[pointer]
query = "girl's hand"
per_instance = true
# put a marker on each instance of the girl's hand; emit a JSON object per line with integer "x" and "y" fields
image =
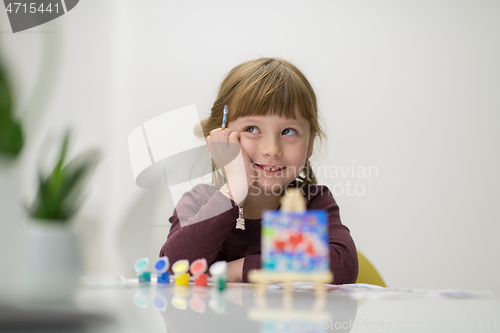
{"x": 235, "y": 270}
{"x": 228, "y": 155}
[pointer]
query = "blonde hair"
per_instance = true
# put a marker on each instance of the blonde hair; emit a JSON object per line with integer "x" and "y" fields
{"x": 266, "y": 86}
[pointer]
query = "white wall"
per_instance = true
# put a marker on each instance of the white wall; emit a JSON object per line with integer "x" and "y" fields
{"x": 409, "y": 88}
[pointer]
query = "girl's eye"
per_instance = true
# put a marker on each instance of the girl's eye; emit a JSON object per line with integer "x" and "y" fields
{"x": 289, "y": 131}
{"x": 252, "y": 129}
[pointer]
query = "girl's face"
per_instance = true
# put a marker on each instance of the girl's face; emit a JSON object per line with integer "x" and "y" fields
{"x": 277, "y": 147}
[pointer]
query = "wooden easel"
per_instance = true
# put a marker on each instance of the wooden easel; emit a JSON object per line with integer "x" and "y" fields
{"x": 292, "y": 201}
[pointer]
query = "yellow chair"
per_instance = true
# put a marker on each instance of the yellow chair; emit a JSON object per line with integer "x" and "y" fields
{"x": 368, "y": 273}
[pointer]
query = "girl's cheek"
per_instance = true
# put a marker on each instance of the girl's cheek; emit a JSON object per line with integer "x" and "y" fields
{"x": 247, "y": 146}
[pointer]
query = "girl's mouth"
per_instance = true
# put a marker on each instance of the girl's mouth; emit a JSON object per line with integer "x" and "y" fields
{"x": 270, "y": 169}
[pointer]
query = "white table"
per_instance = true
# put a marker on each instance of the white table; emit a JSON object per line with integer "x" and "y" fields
{"x": 355, "y": 308}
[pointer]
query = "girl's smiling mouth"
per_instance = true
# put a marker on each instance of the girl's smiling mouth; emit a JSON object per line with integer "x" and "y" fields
{"x": 270, "y": 168}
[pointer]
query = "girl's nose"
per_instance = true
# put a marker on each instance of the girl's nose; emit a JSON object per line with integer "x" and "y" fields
{"x": 271, "y": 148}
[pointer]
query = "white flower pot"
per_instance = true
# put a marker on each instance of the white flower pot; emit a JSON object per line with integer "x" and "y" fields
{"x": 50, "y": 262}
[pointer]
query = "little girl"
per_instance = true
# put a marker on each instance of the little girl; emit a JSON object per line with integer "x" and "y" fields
{"x": 272, "y": 121}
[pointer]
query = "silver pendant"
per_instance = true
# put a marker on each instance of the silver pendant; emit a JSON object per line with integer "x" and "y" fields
{"x": 240, "y": 223}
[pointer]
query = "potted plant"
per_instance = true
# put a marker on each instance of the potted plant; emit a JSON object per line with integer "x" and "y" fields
{"x": 59, "y": 193}
{"x": 50, "y": 248}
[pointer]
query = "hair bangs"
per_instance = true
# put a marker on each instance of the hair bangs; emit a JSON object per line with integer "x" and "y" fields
{"x": 273, "y": 89}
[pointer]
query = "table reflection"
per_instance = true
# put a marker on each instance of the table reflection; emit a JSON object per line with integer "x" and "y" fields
{"x": 243, "y": 308}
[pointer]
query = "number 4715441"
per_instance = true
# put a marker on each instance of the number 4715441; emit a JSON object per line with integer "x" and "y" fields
{"x": 18, "y": 7}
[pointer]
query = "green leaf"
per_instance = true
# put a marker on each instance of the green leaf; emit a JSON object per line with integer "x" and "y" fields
{"x": 11, "y": 135}
{"x": 58, "y": 193}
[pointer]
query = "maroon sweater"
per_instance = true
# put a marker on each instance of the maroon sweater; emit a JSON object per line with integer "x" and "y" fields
{"x": 207, "y": 233}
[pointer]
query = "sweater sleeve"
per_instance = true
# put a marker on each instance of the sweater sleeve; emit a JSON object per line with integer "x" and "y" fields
{"x": 343, "y": 254}
{"x": 200, "y": 225}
